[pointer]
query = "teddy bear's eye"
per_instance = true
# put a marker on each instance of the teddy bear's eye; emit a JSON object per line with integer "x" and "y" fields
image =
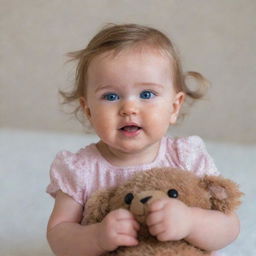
{"x": 128, "y": 198}
{"x": 173, "y": 193}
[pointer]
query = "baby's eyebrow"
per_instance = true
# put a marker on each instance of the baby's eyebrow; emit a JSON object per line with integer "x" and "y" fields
{"x": 150, "y": 84}
{"x": 111, "y": 87}
{"x": 105, "y": 87}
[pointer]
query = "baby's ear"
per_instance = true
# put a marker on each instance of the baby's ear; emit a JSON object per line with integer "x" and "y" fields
{"x": 224, "y": 194}
{"x": 84, "y": 106}
{"x": 97, "y": 206}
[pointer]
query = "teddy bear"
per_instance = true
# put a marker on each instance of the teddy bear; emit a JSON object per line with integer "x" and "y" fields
{"x": 207, "y": 192}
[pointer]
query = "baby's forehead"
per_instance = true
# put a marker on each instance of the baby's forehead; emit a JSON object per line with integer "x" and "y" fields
{"x": 115, "y": 55}
{"x": 130, "y": 64}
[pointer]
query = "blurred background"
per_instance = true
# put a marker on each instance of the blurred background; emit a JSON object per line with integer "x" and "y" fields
{"x": 216, "y": 38}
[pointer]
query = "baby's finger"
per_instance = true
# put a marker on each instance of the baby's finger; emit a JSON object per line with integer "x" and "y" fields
{"x": 128, "y": 228}
{"x": 126, "y": 240}
{"x": 162, "y": 237}
{"x": 157, "y": 229}
{"x": 154, "y": 218}
{"x": 156, "y": 205}
{"x": 135, "y": 225}
{"x": 122, "y": 214}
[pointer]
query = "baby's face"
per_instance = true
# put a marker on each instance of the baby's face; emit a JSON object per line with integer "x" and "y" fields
{"x": 131, "y": 99}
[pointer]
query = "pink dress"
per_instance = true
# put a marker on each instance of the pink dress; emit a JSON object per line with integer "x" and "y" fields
{"x": 80, "y": 174}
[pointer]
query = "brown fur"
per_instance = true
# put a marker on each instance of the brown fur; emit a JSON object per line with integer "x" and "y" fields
{"x": 209, "y": 192}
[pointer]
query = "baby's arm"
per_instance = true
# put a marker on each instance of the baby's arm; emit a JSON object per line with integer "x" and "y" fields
{"x": 64, "y": 233}
{"x": 171, "y": 219}
{"x": 213, "y": 230}
{"x": 67, "y": 237}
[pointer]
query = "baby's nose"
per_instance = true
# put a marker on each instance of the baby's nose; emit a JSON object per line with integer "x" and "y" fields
{"x": 145, "y": 199}
{"x": 129, "y": 108}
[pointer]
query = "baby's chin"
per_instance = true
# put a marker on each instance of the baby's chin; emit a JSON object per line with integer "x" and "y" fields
{"x": 130, "y": 146}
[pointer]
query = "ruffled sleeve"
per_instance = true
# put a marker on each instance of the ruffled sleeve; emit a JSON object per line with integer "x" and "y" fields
{"x": 192, "y": 155}
{"x": 67, "y": 175}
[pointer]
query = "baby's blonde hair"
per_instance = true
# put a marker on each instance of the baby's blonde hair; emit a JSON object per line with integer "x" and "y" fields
{"x": 115, "y": 38}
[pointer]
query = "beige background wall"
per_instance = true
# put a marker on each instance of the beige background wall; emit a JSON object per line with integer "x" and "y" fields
{"x": 215, "y": 37}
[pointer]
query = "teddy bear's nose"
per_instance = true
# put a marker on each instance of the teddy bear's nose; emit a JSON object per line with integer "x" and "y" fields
{"x": 145, "y": 199}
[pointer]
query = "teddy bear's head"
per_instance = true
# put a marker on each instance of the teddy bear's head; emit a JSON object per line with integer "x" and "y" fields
{"x": 208, "y": 192}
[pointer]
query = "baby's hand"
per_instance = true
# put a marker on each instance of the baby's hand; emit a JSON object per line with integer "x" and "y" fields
{"x": 169, "y": 219}
{"x": 118, "y": 228}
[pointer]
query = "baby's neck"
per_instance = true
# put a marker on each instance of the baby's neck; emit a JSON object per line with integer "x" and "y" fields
{"x": 122, "y": 159}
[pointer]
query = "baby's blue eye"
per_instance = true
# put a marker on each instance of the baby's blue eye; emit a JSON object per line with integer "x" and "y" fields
{"x": 147, "y": 95}
{"x": 111, "y": 97}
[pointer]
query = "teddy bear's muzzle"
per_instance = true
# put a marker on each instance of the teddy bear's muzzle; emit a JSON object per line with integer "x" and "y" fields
{"x": 140, "y": 202}
{"x": 145, "y": 199}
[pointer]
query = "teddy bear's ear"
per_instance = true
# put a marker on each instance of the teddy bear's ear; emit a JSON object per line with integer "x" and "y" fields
{"x": 97, "y": 206}
{"x": 224, "y": 194}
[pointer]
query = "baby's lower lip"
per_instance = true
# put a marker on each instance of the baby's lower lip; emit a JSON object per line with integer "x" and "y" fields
{"x": 130, "y": 131}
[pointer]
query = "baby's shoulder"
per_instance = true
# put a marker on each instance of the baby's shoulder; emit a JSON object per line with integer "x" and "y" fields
{"x": 189, "y": 143}
{"x": 79, "y": 160}
{"x": 71, "y": 172}
{"x": 190, "y": 153}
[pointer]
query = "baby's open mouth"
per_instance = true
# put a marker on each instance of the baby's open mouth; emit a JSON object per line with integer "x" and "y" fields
{"x": 130, "y": 128}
